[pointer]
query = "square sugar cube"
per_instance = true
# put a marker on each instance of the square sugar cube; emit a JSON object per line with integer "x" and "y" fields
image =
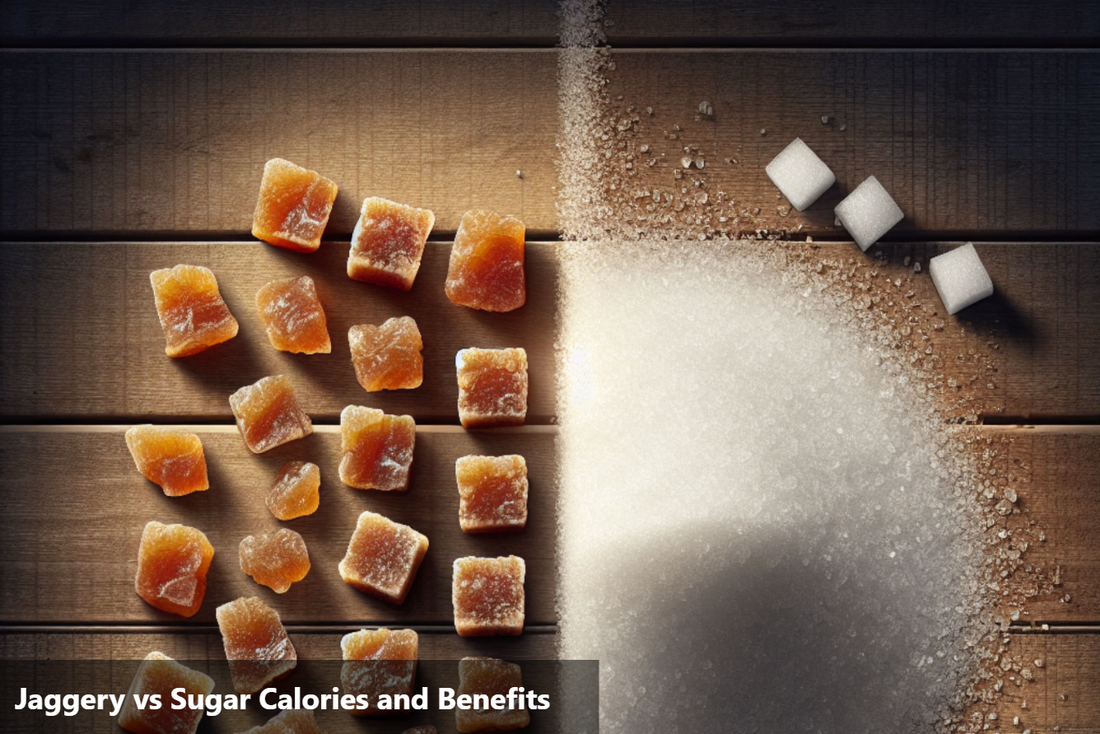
{"x": 800, "y": 174}
{"x": 868, "y": 213}
{"x": 960, "y": 278}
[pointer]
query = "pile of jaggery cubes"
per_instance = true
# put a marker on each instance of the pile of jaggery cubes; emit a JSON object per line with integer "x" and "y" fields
{"x": 486, "y": 272}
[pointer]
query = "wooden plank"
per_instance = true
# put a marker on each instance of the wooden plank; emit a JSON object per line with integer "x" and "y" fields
{"x": 992, "y": 142}
{"x": 75, "y": 508}
{"x": 144, "y": 142}
{"x": 81, "y": 337}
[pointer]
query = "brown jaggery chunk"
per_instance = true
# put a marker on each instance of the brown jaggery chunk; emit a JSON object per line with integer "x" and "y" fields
{"x": 293, "y": 316}
{"x": 388, "y": 242}
{"x": 172, "y": 564}
{"x": 492, "y": 493}
{"x": 192, "y": 313}
{"x": 275, "y": 560}
{"x": 486, "y": 269}
{"x": 383, "y": 557}
{"x": 293, "y": 207}
{"x": 387, "y": 357}
{"x": 291, "y": 721}
{"x": 487, "y": 594}
{"x": 268, "y": 414}
{"x": 172, "y": 459}
{"x": 378, "y": 448}
{"x": 492, "y": 387}
{"x": 489, "y": 677}
{"x": 379, "y": 662}
{"x": 256, "y": 644}
{"x": 296, "y": 490}
{"x": 159, "y": 674}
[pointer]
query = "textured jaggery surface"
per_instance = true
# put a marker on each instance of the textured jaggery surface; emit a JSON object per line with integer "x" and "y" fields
{"x": 159, "y": 674}
{"x": 173, "y": 561}
{"x": 490, "y": 677}
{"x": 487, "y": 594}
{"x": 387, "y": 357}
{"x": 378, "y": 448}
{"x": 256, "y": 644}
{"x": 379, "y": 661}
{"x": 268, "y": 414}
{"x": 492, "y": 387}
{"x": 486, "y": 269}
{"x": 275, "y": 560}
{"x": 492, "y": 493}
{"x": 295, "y": 491}
{"x": 191, "y": 310}
{"x": 291, "y": 721}
{"x": 388, "y": 242}
{"x": 293, "y": 316}
{"x": 293, "y": 208}
{"x": 383, "y": 557}
{"x": 172, "y": 459}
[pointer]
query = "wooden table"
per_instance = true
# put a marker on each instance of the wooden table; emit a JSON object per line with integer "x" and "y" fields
{"x": 133, "y": 138}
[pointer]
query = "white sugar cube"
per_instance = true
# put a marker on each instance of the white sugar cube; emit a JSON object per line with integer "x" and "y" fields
{"x": 960, "y": 278}
{"x": 800, "y": 174}
{"x": 868, "y": 213}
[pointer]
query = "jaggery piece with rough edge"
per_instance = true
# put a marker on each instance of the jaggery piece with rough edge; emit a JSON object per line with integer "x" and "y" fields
{"x": 295, "y": 491}
{"x": 492, "y": 493}
{"x": 380, "y": 661}
{"x": 293, "y": 316}
{"x": 256, "y": 644}
{"x": 388, "y": 242}
{"x": 486, "y": 270}
{"x": 291, "y": 721}
{"x": 490, "y": 677}
{"x": 487, "y": 594}
{"x": 268, "y": 414}
{"x": 159, "y": 674}
{"x": 387, "y": 357}
{"x": 191, "y": 310}
{"x": 294, "y": 206}
{"x": 173, "y": 561}
{"x": 378, "y": 448}
{"x": 172, "y": 459}
{"x": 383, "y": 557}
{"x": 492, "y": 387}
{"x": 275, "y": 560}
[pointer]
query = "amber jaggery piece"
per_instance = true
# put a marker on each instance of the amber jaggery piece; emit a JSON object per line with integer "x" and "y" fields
{"x": 256, "y": 644}
{"x": 293, "y": 207}
{"x": 489, "y": 677}
{"x": 383, "y": 557}
{"x": 268, "y": 414}
{"x": 172, "y": 459}
{"x": 379, "y": 662}
{"x": 172, "y": 564}
{"x": 275, "y": 560}
{"x": 487, "y": 594}
{"x": 492, "y": 493}
{"x": 486, "y": 269}
{"x": 291, "y": 721}
{"x": 192, "y": 313}
{"x": 387, "y": 357}
{"x": 296, "y": 490}
{"x": 378, "y": 448}
{"x": 293, "y": 316}
{"x": 388, "y": 242}
{"x": 159, "y": 675}
{"x": 492, "y": 387}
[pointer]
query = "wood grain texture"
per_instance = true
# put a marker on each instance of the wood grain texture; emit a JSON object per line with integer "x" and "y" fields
{"x": 993, "y": 143}
{"x": 81, "y": 337}
{"x": 146, "y": 142}
{"x": 75, "y": 507}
